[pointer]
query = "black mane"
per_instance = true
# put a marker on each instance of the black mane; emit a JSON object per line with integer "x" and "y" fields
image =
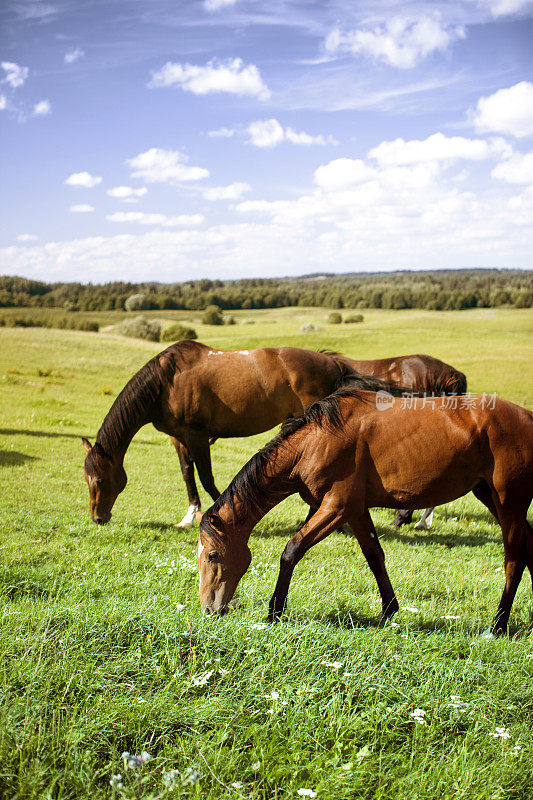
{"x": 248, "y": 484}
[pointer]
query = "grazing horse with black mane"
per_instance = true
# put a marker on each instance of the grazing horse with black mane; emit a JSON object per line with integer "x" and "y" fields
{"x": 195, "y": 394}
{"x": 343, "y": 456}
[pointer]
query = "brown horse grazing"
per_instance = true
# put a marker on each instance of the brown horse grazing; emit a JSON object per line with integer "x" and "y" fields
{"x": 344, "y": 456}
{"x": 195, "y": 393}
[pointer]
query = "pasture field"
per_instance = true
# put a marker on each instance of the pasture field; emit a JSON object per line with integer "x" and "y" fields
{"x": 96, "y": 658}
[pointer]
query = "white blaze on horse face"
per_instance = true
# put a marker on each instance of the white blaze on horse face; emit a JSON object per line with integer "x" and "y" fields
{"x": 189, "y": 518}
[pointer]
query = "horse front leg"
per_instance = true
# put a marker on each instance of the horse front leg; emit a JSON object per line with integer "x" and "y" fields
{"x": 321, "y": 524}
{"x": 364, "y": 530}
{"x": 198, "y": 445}
{"x": 187, "y": 471}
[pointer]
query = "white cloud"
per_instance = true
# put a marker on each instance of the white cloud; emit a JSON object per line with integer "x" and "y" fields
{"x": 269, "y": 133}
{"x": 232, "y": 192}
{"x": 42, "y": 108}
{"x": 165, "y": 166}
{"x": 215, "y": 5}
{"x": 437, "y": 147}
{"x": 71, "y": 56}
{"x": 516, "y": 169}
{"x": 507, "y": 111}
{"x": 84, "y": 179}
{"x": 342, "y": 173}
{"x": 186, "y": 220}
{"x": 500, "y": 8}
{"x": 401, "y": 42}
{"x": 3, "y": 102}
{"x": 15, "y": 75}
{"x": 231, "y": 76}
{"x": 225, "y": 133}
{"x": 27, "y": 237}
{"x": 81, "y": 208}
{"x": 127, "y": 193}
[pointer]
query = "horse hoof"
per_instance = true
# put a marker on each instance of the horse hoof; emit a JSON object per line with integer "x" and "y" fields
{"x": 421, "y": 526}
{"x": 185, "y": 523}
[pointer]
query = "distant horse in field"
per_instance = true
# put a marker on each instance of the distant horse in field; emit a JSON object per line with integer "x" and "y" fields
{"x": 195, "y": 394}
{"x": 344, "y": 456}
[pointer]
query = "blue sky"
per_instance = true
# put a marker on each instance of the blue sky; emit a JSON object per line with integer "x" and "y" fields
{"x": 168, "y": 140}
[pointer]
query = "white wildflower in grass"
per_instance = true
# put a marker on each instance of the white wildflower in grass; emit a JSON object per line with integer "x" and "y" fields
{"x": 272, "y": 696}
{"x": 192, "y": 776}
{"x": 500, "y": 733}
{"x": 256, "y": 766}
{"x": 418, "y": 715}
{"x": 306, "y": 793}
{"x": 334, "y": 664}
{"x": 529, "y": 655}
{"x": 412, "y": 609}
{"x": 202, "y": 679}
{"x": 451, "y": 616}
{"x": 180, "y": 607}
{"x": 237, "y": 785}
{"x": 259, "y": 626}
{"x": 116, "y": 782}
{"x": 394, "y": 625}
{"x": 516, "y": 749}
{"x": 133, "y": 761}
{"x": 172, "y": 779}
{"x": 457, "y": 703}
{"x": 222, "y": 671}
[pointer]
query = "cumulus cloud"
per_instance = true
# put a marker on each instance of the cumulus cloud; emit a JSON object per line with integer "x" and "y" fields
{"x": 27, "y": 237}
{"x": 231, "y": 76}
{"x": 269, "y": 133}
{"x": 215, "y": 5}
{"x": 71, "y": 56}
{"x": 516, "y": 169}
{"x": 501, "y": 8}
{"x": 400, "y": 42}
{"x": 127, "y": 193}
{"x": 507, "y": 111}
{"x": 15, "y": 75}
{"x": 165, "y": 166}
{"x": 437, "y": 147}
{"x": 83, "y": 179}
{"x": 81, "y": 208}
{"x": 3, "y": 102}
{"x": 232, "y": 192}
{"x": 186, "y": 220}
{"x": 42, "y": 108}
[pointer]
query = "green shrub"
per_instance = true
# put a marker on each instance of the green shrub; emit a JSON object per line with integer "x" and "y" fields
{"x": 136, "y": 302}
{"x": 141, "y": 328}
{"x": 213, "y": 316}
{"x": 354, "y": 318}
{"x": 176, "y": 331}
{"x": 335, "y": 318}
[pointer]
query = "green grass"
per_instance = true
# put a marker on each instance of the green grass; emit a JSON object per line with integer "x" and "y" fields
{"x": 95, "y": 659}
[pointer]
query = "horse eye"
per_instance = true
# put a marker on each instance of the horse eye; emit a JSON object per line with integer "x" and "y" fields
{"x": 99, "y": 481}
{"x": 212, "y": 556}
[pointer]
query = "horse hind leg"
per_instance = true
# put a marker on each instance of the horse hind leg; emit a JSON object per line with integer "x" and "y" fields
{"x": 518, "y": 545}
{"x": 402, "y": 518}
{"x": 363, "y": 528}
{"x": 425, "y": 521}
{"x": 187, "y": 470}
{"x": 201, "y": 454}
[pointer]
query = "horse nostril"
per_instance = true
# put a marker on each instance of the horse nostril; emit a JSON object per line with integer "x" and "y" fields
{"x": 207, "y": 611}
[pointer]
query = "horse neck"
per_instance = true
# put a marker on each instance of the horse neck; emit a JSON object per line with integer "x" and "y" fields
{"x": 244, "y": 509}
{"x": 133, "y": 408}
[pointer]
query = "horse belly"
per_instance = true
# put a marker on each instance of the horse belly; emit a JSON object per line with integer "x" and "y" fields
{"x": 425, "y": 467}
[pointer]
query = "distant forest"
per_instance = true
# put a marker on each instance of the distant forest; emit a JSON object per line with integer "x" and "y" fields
{"x": 439, "y": 290}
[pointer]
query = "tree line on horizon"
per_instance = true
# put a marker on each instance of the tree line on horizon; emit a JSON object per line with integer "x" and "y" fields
{"x": 432, "y": 290}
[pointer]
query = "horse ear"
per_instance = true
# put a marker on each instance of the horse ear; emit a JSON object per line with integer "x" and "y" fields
{"x": 86, "y": 443}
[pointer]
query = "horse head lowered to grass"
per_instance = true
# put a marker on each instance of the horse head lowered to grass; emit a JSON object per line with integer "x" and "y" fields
{"x": 195, "y": 394}
{"x": 346, "y": 454}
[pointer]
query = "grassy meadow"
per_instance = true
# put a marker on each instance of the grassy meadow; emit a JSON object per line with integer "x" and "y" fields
{"x": 96, "y": 658}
